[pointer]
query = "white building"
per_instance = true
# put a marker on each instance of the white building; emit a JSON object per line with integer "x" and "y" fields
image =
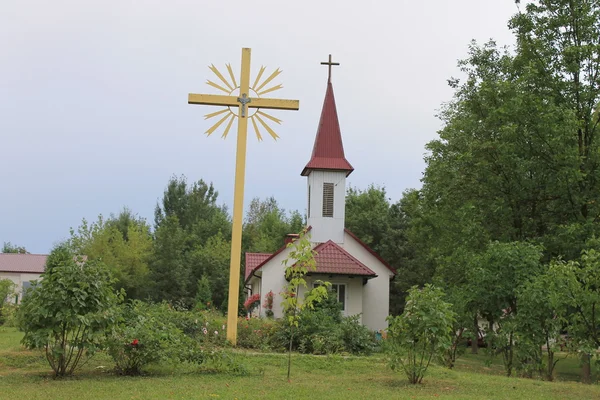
{"x": 358, "y": 275}
{"x": 21, "y": 269}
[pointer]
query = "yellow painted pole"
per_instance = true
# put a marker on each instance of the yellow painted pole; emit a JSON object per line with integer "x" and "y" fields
{"x": 238, "y": 202}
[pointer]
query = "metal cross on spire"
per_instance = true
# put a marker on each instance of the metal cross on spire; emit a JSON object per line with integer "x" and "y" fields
{"x": 329, "y": 63}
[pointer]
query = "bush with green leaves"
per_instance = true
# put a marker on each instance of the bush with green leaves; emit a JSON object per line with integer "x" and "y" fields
{"x": 6, "y": 290}
{"x": 422, "y": 331}
{"x": 324, "y": 330}
{"x": 259, "y": 334}
{"x": 148, "y": 336}
{"x": 69, "y": 311}
{"x": 9, "y": 315}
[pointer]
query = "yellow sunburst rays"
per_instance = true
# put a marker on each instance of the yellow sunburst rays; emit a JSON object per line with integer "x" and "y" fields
{"x": 230, "y": 86}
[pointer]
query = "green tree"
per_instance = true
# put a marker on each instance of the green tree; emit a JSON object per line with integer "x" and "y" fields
{"x": 575, "y": 285}
{"x": 495, "y": 279}
{"x": 8, "y": 247}
{"x": 517, "y": 158}
{"x": 170, "y": 273}
{"x": 203, "y": 293}
{"x": 123, "y": 243}
{"x": 424, "y": 330}
{"x": 69, "y": 311}
{"x": 211, "y": 261}
{"x": 367, "y": 215}
{"x": 267, "y": 224}
{"x": 190, "y": 232}
{"x": 541, "y": 316}
{"x": 299, "y": 262}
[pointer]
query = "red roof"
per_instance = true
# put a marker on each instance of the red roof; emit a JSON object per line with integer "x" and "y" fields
{"x": 328, "y": 151}
{"x": 253, "y": 260}
{"x": 333, "y": 259}
{"x": 25, "y": 263}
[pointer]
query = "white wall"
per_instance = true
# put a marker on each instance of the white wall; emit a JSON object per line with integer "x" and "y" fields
{"x": 18, "y": 278}
{"x": 273, "y": 278}
{"x": 327, "y": 228}
{"x": 376, "y": 292}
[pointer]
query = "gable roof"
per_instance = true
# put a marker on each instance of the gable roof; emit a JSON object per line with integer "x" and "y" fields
{"x": 253, "y": 260}
{"x": 370, "y": 250}
{"x": 24, "y": 263}
{"x": 328, "y": 150}
{"x": 331, "y": 258}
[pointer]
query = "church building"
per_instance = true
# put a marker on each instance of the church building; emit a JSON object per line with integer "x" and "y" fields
{"x": 360, "y": 278}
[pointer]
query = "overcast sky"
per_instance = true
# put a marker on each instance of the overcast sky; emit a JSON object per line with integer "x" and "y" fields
{"x": 93, "y": 97}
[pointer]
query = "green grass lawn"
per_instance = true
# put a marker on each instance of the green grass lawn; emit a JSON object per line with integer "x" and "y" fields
{"x": 25, "y": 375}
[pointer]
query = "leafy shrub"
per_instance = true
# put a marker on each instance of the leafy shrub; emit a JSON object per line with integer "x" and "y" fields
{"x": 357, "y": 338}
{"x": 150, "y": 334}
{"x": 214, "y": 328}
{"x": 258, "y": 333}
{"x": 68, "y": 312}
{"x": 423, "y": 330}
{"x": 6, "y": 289}
{"x": 204, "y": 293}
{"x": 324, "y": 330}
{"x": 9, "y": 315}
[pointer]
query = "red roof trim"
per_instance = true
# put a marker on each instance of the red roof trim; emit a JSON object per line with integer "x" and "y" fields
{"x": 264, "y": 262}
{"x": 388, "y": 266}
{"x": 252, "y": 260}
{"x": 366, "y": 271}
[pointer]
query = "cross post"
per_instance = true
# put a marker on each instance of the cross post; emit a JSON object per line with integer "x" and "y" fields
{"x": 243, "y": 102}
{"x": 329, "y": 63}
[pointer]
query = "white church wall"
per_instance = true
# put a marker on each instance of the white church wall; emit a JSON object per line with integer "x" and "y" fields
{"x": 273, "y": 279}
{"x": 327, "y": 228}
{"x": 376, "y": 292}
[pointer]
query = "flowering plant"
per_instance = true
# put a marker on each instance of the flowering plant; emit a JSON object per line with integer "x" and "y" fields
{"x": 268, "y": 305}
{"x": 252, "y": 302}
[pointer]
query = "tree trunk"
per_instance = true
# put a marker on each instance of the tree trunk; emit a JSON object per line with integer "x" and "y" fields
{"x": 549, "y": 373}
{"x": 474, "y": 341}
{"x": 586, "y": 370}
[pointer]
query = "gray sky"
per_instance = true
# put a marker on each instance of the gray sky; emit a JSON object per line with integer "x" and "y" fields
{"x": 93, "y": 97}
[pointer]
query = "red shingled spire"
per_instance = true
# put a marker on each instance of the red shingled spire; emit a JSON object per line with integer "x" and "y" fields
{"x": 328, "y": 151}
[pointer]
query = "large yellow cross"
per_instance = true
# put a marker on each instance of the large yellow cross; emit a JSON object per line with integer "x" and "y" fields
{"x": 244, "y": 101}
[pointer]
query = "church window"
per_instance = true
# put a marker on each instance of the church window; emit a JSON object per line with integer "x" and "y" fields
{"x": 328, "y": 199}
{"x": 339, "y": 290}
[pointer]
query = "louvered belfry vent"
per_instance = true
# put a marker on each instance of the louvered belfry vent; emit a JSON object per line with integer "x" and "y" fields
{"x": 328, "y": 200}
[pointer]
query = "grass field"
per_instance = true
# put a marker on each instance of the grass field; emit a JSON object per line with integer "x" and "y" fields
{"x": 25, "y": 375}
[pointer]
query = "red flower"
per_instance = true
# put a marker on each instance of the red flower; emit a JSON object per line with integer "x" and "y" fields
{"x": 135, "y": 342}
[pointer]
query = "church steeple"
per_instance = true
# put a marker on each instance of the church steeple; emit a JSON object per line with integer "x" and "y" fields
{"x": 326, "y": 171}
{"x": 328, "y": 150}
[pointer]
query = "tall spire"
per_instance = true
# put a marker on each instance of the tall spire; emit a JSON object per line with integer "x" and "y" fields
{"x": 328, "y": 150}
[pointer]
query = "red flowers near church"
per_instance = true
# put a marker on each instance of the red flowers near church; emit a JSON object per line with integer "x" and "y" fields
{"x": 252, "y": 302}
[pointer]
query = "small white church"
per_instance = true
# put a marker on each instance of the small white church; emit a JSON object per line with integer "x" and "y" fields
{"x": 359, "y": 277}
